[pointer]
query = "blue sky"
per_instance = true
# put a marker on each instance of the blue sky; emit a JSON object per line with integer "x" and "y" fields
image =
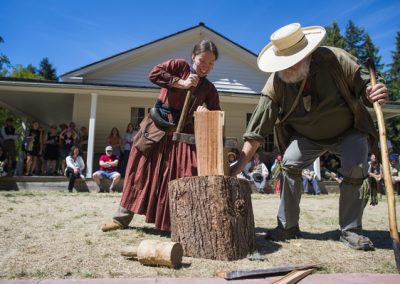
{"x": 75, "y": 33}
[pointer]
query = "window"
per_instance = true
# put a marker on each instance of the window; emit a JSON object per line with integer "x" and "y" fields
{"x": 269, "y": 139}
{"x": 137, "y": 115}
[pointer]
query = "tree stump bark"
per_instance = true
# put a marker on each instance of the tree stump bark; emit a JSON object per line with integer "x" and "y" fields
{"x": 212, "y": 217}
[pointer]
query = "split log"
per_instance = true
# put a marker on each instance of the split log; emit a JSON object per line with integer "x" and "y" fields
{"x": 208, "y": 129}
{"x": 212, "y": 217}
{"x": 154, "y": 252}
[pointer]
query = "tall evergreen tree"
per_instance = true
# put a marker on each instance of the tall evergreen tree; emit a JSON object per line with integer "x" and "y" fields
{"x": 394, "y": 72}
{"x": 354, "y": 39}
{"x": 370, "y": 51}
{"x": 47, "y": 71}
{"x": 393, "y": 124}
{"x": 333, "y": 37}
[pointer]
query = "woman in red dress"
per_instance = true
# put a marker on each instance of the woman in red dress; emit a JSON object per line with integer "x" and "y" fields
{"x": 145, "y": 189}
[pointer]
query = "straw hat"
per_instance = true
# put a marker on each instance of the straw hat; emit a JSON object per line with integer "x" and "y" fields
{"x": 289, "y": 45}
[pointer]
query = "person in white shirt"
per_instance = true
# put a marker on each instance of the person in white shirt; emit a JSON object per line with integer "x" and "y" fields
{"x": 75, "y": 167}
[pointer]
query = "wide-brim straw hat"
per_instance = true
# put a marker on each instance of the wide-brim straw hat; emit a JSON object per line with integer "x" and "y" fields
{"x": 289, "y": 45}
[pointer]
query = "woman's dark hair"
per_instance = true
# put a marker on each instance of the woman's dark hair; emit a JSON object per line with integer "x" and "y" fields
{"x": 204, "y": 46}
{"x": 127, "y": 127}
{"x": 71, "y": 153}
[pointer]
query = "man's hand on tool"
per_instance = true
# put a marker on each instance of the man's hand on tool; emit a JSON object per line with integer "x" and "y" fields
{"x": 377, "y": 93}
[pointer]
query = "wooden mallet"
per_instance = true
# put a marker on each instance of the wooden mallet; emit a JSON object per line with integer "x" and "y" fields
{"x": 154, "y": 252}
{"x": 386, "y": 169}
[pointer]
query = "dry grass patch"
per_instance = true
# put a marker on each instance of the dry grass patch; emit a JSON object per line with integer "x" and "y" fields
{"x": 52, "y": 234}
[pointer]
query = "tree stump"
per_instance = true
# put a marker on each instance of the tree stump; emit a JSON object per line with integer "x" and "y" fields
{"x": 212, "y": 217}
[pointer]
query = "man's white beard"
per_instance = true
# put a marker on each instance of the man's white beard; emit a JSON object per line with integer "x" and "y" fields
{"x": 294, "y": 76}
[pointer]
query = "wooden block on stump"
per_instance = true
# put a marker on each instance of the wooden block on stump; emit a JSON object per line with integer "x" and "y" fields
{"x": 209, "y": 135}
{"x": 212, "y": 217}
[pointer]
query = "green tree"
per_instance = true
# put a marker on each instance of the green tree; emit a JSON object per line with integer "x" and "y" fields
{"x": 28, "y": 72}
{"x": 333, "y": 37}
{"x": 394, "y": 72}
{"x": 4, "y": 62}
{"x": 354, "y": 39}
{"x": 393, "y": 83}
{"x": 370, "y": 51}
{"x": 47, "y": 71}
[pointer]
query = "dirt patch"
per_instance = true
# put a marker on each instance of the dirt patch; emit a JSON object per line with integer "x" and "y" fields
{"x": 52, "y": 234}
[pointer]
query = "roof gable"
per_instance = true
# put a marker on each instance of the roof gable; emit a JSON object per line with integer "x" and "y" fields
{"x": 235, "y": 71}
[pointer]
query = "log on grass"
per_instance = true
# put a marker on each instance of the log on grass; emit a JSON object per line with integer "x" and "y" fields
{"x": 154, "y": 252}
{"x": 212, "y": 217}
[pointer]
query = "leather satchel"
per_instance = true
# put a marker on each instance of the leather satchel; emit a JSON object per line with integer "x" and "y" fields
{"x": 160, "y": 122}
{"x": 148, "y": 136}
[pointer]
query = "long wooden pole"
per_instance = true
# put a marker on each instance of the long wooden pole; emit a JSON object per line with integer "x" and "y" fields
{"x": 394, "y": 233}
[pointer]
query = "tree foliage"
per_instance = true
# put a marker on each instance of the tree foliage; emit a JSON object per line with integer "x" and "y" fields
{"x": 46, "y": 70}
{"x": 28, "y": 72}
{"x": 370, "y": 51}
{"x": 393, "y": 83}
{"x": 4, "y": 62}
{"x": 354, "y": 39}
{"x": 333, "y": 37}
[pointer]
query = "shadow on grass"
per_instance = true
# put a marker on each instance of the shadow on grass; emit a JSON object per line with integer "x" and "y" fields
{"x": 152, "y": 231}
{"x": 381, "y": 239}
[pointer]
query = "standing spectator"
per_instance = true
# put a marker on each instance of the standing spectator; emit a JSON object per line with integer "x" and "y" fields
{"x": 127, "y": 141}
{"x": 115, "y": 141}
{"x": 34, "y": 148}
{"x": 147, "y": 174}
{"x": 72, "y": 126}
{"x": 9, "y": 136}
{"x": 310, "y": 176}
{"x": 51, "y": 151}
{"x": 83, "y": 142}
{"x": 108, "y": 169}
{"x": 75, "y": 167}
{"x": 67, "y": 139}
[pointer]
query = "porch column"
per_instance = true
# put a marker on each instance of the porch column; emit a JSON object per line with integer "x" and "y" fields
{"x": 92, "y": 127}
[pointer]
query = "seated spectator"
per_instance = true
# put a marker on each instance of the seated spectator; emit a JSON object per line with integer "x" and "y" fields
{"x": 276, "y": 170}
{"x": 309, "y": 176}
{"x": 75, "y": 167}
{"x": 108, "y": 169}
{"x": 375, "y": 171}
{"x": 231, "y": 158}
{"x": 3, "y": 163}
{"x": 258, "y": 173}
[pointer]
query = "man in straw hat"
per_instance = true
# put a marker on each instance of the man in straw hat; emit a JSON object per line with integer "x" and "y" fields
{"x": 314, "y": 101}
